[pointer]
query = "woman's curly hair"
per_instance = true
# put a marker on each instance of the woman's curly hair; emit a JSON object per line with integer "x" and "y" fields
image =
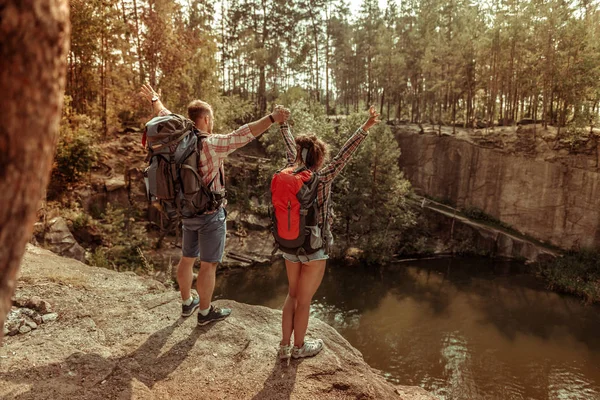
{"x": 318, "y": 151}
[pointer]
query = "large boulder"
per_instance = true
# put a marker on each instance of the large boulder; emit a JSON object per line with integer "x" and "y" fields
{"x": 59, "y": 239}
{"x": 120, "y": 337}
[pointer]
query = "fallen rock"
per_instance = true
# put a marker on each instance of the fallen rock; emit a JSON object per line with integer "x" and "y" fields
{"x": 255, "y": 222}
{"x": 24, "y": 329}
{"x": 38, "y": 304}
{"x": 31, "y": 324}
{"x": 13, "y": 322}
{"x": 49, "y": 317}
{"x": 113, "y": 184}
{"x": 60, "y": 240}
{"x": 35, "y": 317}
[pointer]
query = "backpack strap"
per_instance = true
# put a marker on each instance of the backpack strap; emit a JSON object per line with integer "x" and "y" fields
{"x": 174, "y": 141}
{"x": 201, "y": 136}
{"x": 301, "y": 168}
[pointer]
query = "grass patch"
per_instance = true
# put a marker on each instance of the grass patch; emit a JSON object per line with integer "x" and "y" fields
{"x": 477, "y": 214}
{"x": 577, "y": 272}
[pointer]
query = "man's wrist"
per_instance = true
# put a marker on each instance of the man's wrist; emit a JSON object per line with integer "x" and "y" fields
{"x": 271, "y": 118}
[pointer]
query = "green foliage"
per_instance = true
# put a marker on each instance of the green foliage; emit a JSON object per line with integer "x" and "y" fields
{"x": 231, "y": 112}
{"x": 576, "y": 272}
{"x": 370, "y": 194}
{"x": 477, "y": 214}
{"x": 124, "y": 242}
{"x": 75, "y": 153}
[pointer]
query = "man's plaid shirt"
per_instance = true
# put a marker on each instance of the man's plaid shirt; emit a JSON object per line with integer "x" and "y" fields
{"x": 214, "y": 151}
{"x": 327, "y": 173}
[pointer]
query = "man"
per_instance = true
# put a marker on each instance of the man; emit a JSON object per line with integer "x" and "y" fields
{"x": 204, "y": 235}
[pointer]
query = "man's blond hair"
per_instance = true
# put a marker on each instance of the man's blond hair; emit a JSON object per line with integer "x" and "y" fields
{"x": 198, "y": 109}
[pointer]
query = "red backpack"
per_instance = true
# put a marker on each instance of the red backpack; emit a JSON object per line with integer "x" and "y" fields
{"x": 294, "y": 211}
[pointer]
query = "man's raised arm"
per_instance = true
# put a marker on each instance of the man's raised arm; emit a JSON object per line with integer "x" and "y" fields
{"x": 157, "y": 106}
{"x": 279, "y": 114}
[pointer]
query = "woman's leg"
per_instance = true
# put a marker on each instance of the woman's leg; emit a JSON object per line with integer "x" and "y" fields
{"x": 311, "y": 275}
{"x": 287, "y": 320}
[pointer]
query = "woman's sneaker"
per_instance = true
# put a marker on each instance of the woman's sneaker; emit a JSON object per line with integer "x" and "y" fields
{"x": 215, "y": 314}
{"x": 309, "y": 349}
{"x": 285, "y": 352}
{"x": 188, "y": 310}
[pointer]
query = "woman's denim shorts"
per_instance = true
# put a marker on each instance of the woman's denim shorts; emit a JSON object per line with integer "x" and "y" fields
{"x": 304, "y": 258}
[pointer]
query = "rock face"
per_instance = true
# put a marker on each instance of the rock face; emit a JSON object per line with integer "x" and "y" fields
{"x": 60, "y": 240}
{"x": 120, "y": 337}
{"x": 550, "y": 201}
{"x": 484, "y": 239}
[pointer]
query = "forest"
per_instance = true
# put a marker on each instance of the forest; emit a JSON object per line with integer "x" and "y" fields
{"x": 450, "y": 62}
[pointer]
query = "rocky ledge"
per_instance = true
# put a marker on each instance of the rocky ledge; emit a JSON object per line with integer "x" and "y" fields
{"x": 119, "y": 336}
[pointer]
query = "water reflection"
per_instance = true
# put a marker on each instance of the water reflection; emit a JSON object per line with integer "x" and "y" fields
{"x": 463, "y": 329}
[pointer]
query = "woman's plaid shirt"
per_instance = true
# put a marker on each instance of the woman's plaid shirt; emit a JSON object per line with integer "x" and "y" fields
{"x": 327, "y": 173}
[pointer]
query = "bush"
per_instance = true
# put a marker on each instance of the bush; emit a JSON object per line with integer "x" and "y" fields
{"x": 477, "y": 214}
{"x": 577, "y": 272}
{"x": 124, "y": 242}
{"x": 75, "y": 152}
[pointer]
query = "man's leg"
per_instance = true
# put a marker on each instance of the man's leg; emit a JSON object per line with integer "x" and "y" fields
{"x": 185, "y": 276}
{"x": 205, "y": 284}
{"x": 212, "y": 236}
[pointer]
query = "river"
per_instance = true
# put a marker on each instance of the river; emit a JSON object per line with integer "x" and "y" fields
{"x": 462, "y": 328}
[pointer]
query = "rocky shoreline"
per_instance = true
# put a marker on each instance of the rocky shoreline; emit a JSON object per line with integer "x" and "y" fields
{"x": 119, "y": 335}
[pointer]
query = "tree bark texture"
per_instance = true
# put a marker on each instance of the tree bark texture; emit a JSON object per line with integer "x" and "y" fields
{"x": 34, "y": 43}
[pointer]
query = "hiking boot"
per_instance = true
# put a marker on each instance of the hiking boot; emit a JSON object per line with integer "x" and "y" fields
{"x": 186, "y": 311}
{"x": 215, "y": 314}
{"x": 309, "y": 349}
{"x": 285, "y": 351}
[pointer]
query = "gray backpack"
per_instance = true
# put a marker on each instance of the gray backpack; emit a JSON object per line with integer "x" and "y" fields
{"x": 172, "y": 179}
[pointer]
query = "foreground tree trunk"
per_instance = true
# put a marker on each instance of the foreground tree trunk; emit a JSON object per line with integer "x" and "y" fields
{"x": 34, "y": 42}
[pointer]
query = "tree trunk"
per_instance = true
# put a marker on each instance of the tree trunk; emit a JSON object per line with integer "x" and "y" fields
{"x": 139, "y": 43}
{"x": 32, "y": 80}
{"x": 327, "y": 40}
{"x": 316, "y": 41}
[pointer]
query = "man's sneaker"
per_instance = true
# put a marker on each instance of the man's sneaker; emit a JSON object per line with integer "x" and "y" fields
{"x": 186, "y": 311}
{"x": 215, "y": 314}
{"x": 285, "y": 351}
{"x": 309, "y": 349}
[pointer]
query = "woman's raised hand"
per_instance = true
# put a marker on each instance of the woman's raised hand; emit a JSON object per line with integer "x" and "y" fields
{"x": 280, "y": 114}
{"x": 373, "y": 119}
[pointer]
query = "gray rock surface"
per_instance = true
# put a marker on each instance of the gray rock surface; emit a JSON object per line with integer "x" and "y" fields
{"x": 59, "y": 239}
{"x": 552, "y": 201}
{"x": 133, "y": 345}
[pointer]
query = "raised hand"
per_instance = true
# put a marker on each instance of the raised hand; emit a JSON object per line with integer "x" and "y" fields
{"x": 373, "y": 119}
{"x": 280, "y": 114}
{"x": 147, "y": 93}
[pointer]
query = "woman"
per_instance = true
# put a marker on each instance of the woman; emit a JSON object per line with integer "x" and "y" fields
{"x": 305, "y": 271}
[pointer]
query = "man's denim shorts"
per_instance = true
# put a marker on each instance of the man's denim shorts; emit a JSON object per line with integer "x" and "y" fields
{"x": 204, "y": 236}
{"x": 317, "y": 256}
